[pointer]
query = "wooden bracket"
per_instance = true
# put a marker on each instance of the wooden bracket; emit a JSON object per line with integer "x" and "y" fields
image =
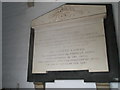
{"x": 39, "y": 85}
{"x": 103, "y": 86}
{"x": 30, "y": 4}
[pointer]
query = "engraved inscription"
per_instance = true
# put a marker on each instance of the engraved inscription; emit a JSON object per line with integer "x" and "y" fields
{"x": 80, "y": 47}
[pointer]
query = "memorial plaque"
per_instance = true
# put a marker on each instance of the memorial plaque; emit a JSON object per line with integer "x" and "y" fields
{"x": 74, "y": 41}
{"x": 77, "y": 44}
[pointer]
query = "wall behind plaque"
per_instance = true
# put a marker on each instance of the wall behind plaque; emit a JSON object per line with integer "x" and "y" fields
{"x": 16, "y": 30}
{"x": 0, "y": 45}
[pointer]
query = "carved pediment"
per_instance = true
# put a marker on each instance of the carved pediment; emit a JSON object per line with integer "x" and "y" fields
{"x": 66, "y": 12}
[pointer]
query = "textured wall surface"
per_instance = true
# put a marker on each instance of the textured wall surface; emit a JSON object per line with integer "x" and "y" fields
{"x": 16, "y": 31}
{"x": 0, "y": 45}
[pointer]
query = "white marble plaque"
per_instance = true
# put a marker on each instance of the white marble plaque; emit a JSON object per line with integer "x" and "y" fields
{"x": 77, "y": 44}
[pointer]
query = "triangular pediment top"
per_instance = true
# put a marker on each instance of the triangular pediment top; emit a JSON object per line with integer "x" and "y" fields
{"x": 67, "y": 12}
